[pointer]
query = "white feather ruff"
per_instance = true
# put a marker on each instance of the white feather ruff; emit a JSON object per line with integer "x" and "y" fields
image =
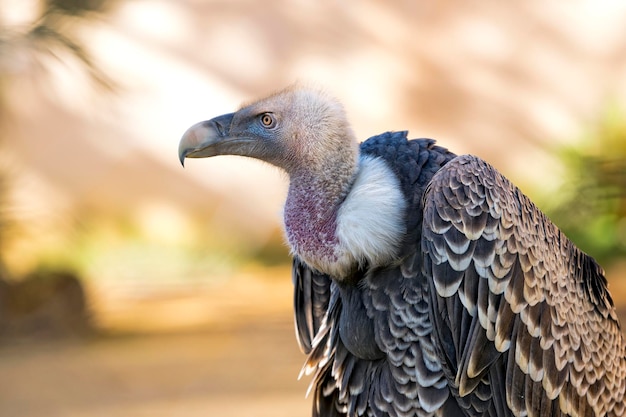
{"x": 370, "y": 222}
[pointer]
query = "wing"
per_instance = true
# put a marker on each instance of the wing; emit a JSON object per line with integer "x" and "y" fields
{"x": 311, "y": 297}
{"x": 317, "y": 308}
{"x": 523, "y": 320}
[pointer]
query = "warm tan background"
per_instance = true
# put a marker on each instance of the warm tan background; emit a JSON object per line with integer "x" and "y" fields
{"x": 186, "y": 282}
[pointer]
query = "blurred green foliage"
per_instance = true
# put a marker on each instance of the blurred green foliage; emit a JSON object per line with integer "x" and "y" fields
{"x": 590, "y": 205}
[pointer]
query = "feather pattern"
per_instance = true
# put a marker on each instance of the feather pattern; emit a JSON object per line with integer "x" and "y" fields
{"x": 491, "y": 311}
{"x": 538, "y": 307}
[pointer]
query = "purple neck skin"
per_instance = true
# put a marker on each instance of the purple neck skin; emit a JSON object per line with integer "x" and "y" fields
{"x": 311, "y": 218}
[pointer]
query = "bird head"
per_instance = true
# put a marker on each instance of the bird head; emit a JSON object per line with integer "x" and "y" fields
{"x": 295, "y": 129}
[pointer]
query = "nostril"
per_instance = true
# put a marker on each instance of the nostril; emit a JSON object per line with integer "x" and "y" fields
{"x": 221, "y": 124}
{"x": 219, "y": 127}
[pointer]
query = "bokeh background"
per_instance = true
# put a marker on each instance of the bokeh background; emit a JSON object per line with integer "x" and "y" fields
{"x": 130, "y": 286}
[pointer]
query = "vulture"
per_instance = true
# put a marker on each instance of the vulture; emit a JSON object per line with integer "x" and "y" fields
{"x": 425, "y": 283}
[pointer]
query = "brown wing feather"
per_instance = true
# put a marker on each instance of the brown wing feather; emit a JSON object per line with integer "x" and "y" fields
{"x": 535, "y": 314}
{"x": 311, "y": 297}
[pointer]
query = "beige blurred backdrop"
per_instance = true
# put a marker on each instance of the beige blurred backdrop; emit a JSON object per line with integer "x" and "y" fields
{"x": 186, "y": 284}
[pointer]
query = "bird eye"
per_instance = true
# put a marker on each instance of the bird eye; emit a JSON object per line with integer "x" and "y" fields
{"x": 267, "y": 120}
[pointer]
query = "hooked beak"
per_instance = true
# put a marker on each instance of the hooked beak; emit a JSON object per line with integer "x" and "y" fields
{"x": 208, "y": 138}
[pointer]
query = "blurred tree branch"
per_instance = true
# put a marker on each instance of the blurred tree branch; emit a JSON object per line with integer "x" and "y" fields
{"x": 52, "y": 33}
{"x": 24, "y": 49}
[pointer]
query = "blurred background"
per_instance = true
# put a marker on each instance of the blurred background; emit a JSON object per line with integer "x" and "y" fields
{"x": 132, "y": 287}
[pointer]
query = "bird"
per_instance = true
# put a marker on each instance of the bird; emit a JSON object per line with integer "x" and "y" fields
{"x": 425, "y": 283}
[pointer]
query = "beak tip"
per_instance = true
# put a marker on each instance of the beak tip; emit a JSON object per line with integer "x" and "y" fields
{"x": 198, "y": 141}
